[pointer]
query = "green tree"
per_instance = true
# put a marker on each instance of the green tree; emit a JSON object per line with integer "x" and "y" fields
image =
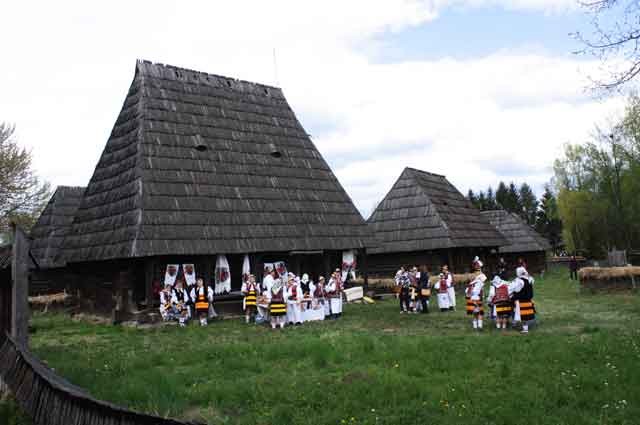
{"x": 502, "y": 195}
{"x": 22, "y": 195}
{"x": 548, "y": 222}
{"x": 491, "y": 199}
{"x": 529, "y": 204}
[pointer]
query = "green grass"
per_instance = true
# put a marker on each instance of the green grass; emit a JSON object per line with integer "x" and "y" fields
{"x": 374, "y": 366}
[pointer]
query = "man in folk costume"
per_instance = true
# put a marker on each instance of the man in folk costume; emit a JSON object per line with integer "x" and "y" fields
{"x": 403, "y": 283}
{"x": 202, "y": 296}
{"x": 306, "y": 285}
{"x": 294, "y": 298}
{"x": 451, "y": 287}
{"x": 524, "y": 307}
{"x": 500, "y": 301}
{"x": 334, "y": 291}
{"x": 250, "y": 291}
{"x": 442, "y": 289}
{"x": 424, "y": 287}
{"x": 277, "y": 305}
{"x": 474, "y": 295}
{"x": 180, "y": 301}
{"x": 166, "y": 308}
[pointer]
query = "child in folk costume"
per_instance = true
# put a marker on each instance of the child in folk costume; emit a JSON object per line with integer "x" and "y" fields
{"x": 334, "y": 291}
{"x": 250, "y": 290}
{"x": 166, "y": 308}
{"x": 180, "y": 302}
{"x": 451, "y": 287}
{"x": 474, "y": 295}
{"x": 202, "y": 296}
{"x": 524, "y": 308}
{"x": 425, "y": 289}
{"x": 277, "y": 305}
{"x": 294, "y": 298}
{"x": 442, "y": 289}
{"x": 500, "y": 301}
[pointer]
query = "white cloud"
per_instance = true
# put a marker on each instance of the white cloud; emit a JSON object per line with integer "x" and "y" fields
{"x": 70, "y": 65}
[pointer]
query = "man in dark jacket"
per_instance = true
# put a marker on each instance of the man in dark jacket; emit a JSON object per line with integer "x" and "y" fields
{"x": 424, "y": 289}
{"x": 573, "y": 268}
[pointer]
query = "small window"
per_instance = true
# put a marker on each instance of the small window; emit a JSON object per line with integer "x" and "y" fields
{"x": 201, "y": 148}
{"x": 276, "y": 154}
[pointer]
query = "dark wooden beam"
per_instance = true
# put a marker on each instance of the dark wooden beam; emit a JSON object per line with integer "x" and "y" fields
{"x": 20, "y": 287}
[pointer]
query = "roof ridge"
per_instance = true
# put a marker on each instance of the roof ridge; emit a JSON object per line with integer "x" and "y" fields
{"x": 420, "y": 187}
{"x": 142, "y": 64}
{"x": 425, "y": 172}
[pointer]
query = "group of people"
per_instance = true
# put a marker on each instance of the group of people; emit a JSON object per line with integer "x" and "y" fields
{"x": 509, "y": 302}
{"x": 278, "y": 300}
{"x": 293, "y": 300}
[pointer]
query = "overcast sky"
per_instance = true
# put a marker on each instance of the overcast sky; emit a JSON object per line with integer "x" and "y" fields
{"x": 478, "y": 90}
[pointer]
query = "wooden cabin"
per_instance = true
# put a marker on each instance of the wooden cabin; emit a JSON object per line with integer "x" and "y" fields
{"x": 47, "y": 236}
{"x": 425, "y": 220}
{"x": 522, "y": 241}
{"x": 199, "y": 165}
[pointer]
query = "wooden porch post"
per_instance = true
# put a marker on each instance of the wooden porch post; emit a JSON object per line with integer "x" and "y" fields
{"x": 149, "y": 267}
{"x": 365, "y": 269}
{"x": 20, "y": 287}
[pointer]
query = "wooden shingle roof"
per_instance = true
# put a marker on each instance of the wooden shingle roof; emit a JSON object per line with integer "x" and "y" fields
{"x": 203, "y": 164}
{"x": 519, "y": 235}
{"x": 424, "y": 211}
{"x": 54, "y": 224}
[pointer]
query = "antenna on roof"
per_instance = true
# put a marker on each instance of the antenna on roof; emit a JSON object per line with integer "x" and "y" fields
{"x": 275, "y": 69}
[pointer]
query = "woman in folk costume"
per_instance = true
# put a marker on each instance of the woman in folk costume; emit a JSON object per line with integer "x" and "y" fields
{"x": 277, "y": 304}
{"x": 334, "y": 291}
{"x": 202, "y": 296}
{"x": 474, "y": 295}
{"x": 268, "y": 278}
{"x": 403, "y": 282}
{"x": 250, "y": 291}
{"x": 524, "y": 308}
{"x": 294, "y": 298}
{"x": 442, "y": 289}
{"x": 166, "y": 308}
{"x": 500, "y": 301}
{"x": 180, "y": 302}
{"x": 320, "y": 297}
{"x": 425, "y": 289}
{"x": 451, "y": 287}
{"x": 413, "y": 290}
{"x": 307, "y": 287}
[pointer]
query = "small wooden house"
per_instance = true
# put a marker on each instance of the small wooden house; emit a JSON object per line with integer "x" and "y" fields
{"x": 199, "y": 165}
{"x": 49, "y": 274}
{"x": 425, "y": 220}
{"x": 522, "y": 241}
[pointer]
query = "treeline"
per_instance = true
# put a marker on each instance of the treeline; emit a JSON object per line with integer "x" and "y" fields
{"x": 542, "y": 214}
{"x": 598, "y": 187}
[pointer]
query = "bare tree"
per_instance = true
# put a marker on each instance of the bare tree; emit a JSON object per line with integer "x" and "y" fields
{"x": 614, "y": 41}
{"x": 22, "y": 195}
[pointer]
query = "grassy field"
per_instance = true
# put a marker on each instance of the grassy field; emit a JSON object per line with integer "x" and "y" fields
{"x": 374, "y": 366}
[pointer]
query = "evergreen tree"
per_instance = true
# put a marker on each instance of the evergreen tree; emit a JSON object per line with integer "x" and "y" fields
{"x": 472, "y": 198}
{"x": 514, "y": 204}
{"x": 548, "y": 222}
{"x": 529, "y": 204}
{"x": 482, "y": 201}
{"x": 491, "y": 200}
{"x": 502, "y": 194}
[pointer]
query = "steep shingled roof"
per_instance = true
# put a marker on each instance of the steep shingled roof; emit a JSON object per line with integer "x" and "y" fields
{"x": 520, "y": 236}
{"x": 423, "y": 211}
{"x": 54, "y": 224}
{"x": 203, "y": 164}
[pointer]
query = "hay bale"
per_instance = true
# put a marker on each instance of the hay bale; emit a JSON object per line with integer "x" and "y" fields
{"x": 609, "y": 277}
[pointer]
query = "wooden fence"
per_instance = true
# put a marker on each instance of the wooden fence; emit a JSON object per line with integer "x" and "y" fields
{"x": 51, "y": 400}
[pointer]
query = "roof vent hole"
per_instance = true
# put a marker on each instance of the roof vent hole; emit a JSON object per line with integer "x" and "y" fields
{"x": 276, "y": 154}
{"x": 201, "y": 148}
{"x": 229, "y": 83}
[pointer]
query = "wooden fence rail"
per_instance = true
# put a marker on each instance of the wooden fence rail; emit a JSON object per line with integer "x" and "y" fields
{"x": 51, "y": 400}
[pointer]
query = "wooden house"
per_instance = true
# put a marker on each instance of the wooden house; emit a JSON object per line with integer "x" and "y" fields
{"x": 425, "y": 220}
{"x": 199, "y": 165}
{"x": 522, "y": 241}
{"x": 49, "y": 273}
